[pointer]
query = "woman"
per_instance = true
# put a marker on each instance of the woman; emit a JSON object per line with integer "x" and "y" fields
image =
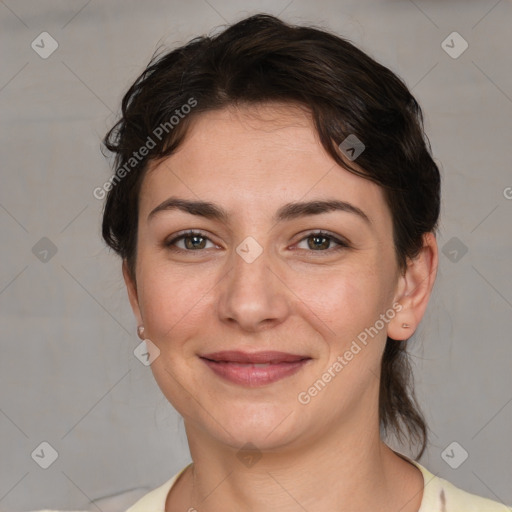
{"x": 275, "y": 204}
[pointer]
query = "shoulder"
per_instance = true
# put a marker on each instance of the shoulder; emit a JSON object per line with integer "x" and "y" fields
{"x": 155, "y": 500}
{"x": 454, "y": 499}
{"x": 441, "y": 495}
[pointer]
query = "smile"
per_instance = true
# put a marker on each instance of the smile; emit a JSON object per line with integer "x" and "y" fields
{"x": 254, "y": 370}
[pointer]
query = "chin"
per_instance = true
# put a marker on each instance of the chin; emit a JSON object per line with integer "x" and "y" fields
{"x": 266, "y": 427}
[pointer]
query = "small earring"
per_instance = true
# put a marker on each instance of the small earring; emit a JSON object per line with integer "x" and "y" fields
{"x": 406, "y": 326}
{"x": 140, "y": 331}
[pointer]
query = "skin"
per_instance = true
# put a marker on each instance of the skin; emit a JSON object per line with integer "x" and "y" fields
{"x": 325, "y": 455}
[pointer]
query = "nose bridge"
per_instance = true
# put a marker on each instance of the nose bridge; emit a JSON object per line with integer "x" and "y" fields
{"x": 250, "y": 264}
{"x": 251, "y": 294}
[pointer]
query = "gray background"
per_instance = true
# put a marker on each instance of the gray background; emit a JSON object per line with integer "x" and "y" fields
{"x": 69, "y": 376}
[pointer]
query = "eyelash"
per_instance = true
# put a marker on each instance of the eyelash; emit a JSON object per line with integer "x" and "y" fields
{"x": 341, "y": 244}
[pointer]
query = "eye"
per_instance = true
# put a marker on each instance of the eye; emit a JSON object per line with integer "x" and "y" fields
{"x": 196, "y": 241}
{"x": 193, "y": 241}
{"x": 320, "y": 240}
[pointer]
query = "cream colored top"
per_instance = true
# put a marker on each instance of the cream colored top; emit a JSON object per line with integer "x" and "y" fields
{"x": 439, "y": 495}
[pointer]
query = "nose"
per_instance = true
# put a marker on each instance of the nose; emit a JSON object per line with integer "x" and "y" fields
{"x": 252, "y": 295}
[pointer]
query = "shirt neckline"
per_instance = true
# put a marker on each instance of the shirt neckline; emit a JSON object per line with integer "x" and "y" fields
{"x": 431, "y": 485}
{"x": 158, "y": 497}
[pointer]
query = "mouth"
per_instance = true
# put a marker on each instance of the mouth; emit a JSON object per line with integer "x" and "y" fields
{"x": 256, "y": 369}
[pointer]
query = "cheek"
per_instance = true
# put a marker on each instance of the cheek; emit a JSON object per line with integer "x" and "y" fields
{"x": 173, "y": 301}
{"x": 343, "y": 300}
{"x": 338, "y": 303}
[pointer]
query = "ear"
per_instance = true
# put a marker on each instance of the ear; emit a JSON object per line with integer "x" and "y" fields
{"x": 414, "y": 288}
{"x": 131, "y": 288}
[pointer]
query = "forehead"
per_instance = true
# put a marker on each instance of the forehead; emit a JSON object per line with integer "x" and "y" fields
{"x": 253, "y": 158}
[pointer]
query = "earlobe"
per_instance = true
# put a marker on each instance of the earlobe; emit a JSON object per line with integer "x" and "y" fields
{"x": 414, "y": 290}
{"x": 131, "y": 288}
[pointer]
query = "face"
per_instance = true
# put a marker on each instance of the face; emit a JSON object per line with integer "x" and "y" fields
{"x": 262, "y": 278}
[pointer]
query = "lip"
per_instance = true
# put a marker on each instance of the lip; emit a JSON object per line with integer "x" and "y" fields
{"x": 239, "y": 367}
{"x": 268, "y": 356}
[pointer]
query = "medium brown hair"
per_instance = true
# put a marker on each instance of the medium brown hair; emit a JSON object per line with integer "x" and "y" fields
{"x": 261, "y": 59}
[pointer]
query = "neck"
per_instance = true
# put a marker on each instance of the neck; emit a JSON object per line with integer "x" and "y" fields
{"x": 344, "y": 469}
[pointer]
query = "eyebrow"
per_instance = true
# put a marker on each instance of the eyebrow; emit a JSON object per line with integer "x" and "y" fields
{"x": 288, "y": 211}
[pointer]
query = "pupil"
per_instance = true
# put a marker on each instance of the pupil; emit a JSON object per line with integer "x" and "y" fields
{"x": 316, "y": 238}
{"x": 192, "y": 244}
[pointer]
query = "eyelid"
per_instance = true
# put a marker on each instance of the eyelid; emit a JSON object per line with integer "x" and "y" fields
{"x": 341, "y": 242}
{"x": 183, "y": 234}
